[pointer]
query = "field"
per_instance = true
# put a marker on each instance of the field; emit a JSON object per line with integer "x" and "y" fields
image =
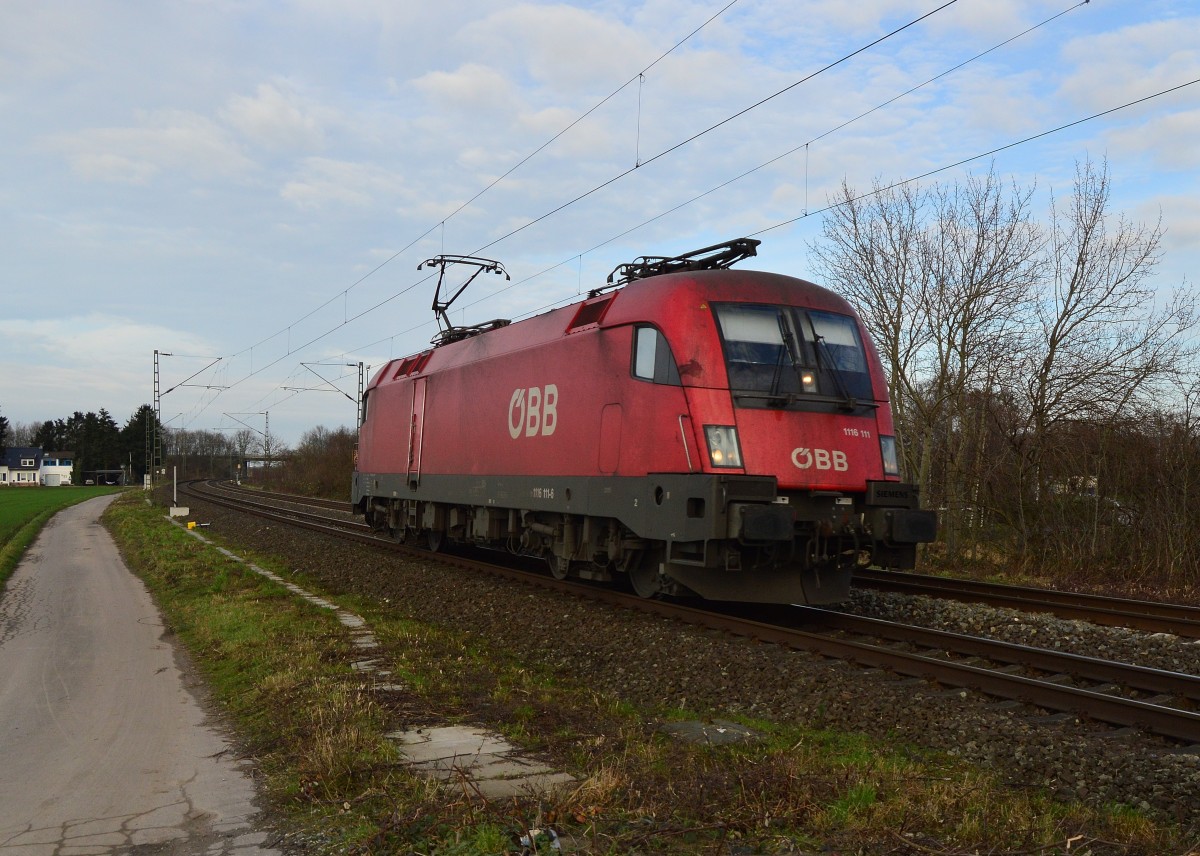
{"x": 25, "y": 510}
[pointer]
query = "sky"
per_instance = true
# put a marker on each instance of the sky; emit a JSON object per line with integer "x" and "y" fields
{"x": 249, "y": 187}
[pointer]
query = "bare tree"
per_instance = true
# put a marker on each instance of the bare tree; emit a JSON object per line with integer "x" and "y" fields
{"x": 941, "y": 278}
{"x": 273, "y": 448}
{"x": 983, "y": 261}
{"x": 1019, "y": 353}
{"x": 868, "y": 258}
{"x": 22, "y": 433}
{"x": 1101, "y": 340}
{"x": 322, "y": 463}
{"x": 244, "y": 442}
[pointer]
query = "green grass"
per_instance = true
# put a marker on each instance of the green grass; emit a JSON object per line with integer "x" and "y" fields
{"x": 25, "y": 510}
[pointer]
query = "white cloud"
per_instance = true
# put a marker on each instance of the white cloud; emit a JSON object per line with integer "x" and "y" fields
{"x": 1171, "y": 140}
{"x": 278, "y": 118}
{"x": 78, "y": 339}
{"x": 1181, "y": 219}
{"x": 325, "y": 181}
{"x": 163, "y": 142}
{"x": 1114, "y": 67}
{"x": 471, "y": 88}
{"x": 55, "y": 366}
{"x": 562, "y": 48}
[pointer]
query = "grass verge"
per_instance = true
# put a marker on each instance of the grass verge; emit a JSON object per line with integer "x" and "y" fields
{"x": 281, "y": 668}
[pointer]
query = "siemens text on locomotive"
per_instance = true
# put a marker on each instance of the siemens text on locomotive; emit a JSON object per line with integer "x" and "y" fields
{"x": 691, "y": 428}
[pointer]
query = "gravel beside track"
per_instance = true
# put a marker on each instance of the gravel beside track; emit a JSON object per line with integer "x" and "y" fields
{"x": 649, "y": 661}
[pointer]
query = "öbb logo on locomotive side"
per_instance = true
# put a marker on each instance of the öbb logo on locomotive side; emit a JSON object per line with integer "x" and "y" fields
{"x": 533, "y": 411}
{"x": 821, "y": 459}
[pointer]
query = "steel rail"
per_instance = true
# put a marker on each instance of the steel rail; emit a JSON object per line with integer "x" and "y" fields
{"x": 351, "y": 529}
{"x": 1143, "y": 678}
{"x": 1150, "y": 616}
{"x": 1157, "y": 719}
{"x": 1114, "y": 710}
{"x": 294, "y": 498}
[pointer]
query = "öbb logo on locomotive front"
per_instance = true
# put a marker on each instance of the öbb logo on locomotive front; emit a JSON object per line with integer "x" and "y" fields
{"x": 821, "y": 459}
{"x": 533, "y": 411}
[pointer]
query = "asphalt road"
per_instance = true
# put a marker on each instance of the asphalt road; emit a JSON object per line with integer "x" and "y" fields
{"x": 103, "y": 747}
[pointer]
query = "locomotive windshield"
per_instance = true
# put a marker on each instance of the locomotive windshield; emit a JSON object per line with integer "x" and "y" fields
{"x": 787, "y": 353}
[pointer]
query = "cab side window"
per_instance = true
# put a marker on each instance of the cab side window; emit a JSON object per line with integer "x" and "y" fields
{"x": 652, "y": 358}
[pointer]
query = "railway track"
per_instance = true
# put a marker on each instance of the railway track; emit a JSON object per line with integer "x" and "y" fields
{"x": 1149, "y": 616}
{"x": 1123, "y": 695}
{"x": 290, "y": 498}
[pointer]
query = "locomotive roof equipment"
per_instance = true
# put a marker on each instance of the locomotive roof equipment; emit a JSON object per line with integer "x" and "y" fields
{"x": 716, "y": 257}
{"x": 448, "y": 332}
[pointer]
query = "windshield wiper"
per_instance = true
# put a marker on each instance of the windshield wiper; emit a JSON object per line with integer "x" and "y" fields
{"x": 775, "y": 375}
{"x": 822, "y": 350}
{"x": 789, "y": 347}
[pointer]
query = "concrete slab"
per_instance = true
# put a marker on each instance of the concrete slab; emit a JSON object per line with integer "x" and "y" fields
{"x": 528, "y": 786}
{"x": 450, "y": 741}
{"x": 504, "y": 767}
{"x": 718, "y": 732}
{"x": 483, "y": 762}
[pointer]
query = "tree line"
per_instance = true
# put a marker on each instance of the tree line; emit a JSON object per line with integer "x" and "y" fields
{"x": 99, "y": 443}
{"x": 1045, "y": 392}
{"x": 95, "y": 439}
{"x": 319, "y": 466}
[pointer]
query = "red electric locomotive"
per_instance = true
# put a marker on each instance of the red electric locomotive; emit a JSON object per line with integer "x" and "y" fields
{"x": 692, "y": 428}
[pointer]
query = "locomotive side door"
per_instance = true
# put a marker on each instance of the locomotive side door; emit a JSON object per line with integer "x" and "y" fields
{"x": 416, "y": 430}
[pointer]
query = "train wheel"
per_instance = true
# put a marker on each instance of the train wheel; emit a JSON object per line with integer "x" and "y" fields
{"x": 377, "y": 521}
{"x": 560, "y": 568}
{"x": 645, "y": 577}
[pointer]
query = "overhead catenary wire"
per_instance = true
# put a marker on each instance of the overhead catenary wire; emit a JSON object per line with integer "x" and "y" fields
{"x": 715, "y": 126}
{"x": 804, "y": 146}
{"x": 671, "y": 149}
{"x": 981, "y": 155}
{"x": 346, "y": 320}
{"x": 806, "y": 214}
{"x": 649, "y": 160}
{"x": 463, "y": 206}
{"x": 831, "y": 206}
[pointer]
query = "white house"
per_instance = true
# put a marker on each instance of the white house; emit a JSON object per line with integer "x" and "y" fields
{"x": 28, "y": 466}
{"x": 56, "y": 468}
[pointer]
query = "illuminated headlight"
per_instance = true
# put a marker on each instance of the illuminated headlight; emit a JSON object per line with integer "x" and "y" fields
{"x": 723, "y": 445}
{"x": 808, "y": 380}
{"x": 891, "y": 464}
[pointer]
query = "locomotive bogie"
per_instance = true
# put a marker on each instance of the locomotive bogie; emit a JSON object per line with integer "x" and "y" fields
{"x": 718, "y": 433}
